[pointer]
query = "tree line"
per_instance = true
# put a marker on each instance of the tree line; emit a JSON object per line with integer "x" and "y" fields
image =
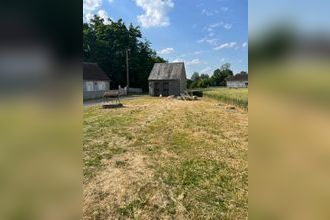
{"x": 106, "y": 43}
{"x": 218, "y": 78}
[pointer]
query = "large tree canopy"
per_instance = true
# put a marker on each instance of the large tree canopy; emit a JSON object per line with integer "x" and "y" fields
{"x": 220, "y": 75}
{"x": 106, "y": 44}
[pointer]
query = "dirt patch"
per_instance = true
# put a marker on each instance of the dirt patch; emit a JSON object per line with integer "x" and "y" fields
{"x": 127, "y": 189}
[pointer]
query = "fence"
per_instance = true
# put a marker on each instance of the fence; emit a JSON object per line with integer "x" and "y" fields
{"x": 135, "y": 90}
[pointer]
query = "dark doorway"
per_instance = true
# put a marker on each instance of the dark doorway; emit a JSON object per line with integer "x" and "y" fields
{"x": 156, "y": 89}
{"x": 165, "y": 89}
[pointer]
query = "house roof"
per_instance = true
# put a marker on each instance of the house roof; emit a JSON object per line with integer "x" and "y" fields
{"x": 92, "y": 71}
{"x": 238, "y": 77}
{"x": 168, "y": 71}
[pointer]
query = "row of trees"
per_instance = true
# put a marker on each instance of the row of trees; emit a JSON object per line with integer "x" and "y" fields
{"x": 218, "y": 78}
{"x": 106, "y": 44}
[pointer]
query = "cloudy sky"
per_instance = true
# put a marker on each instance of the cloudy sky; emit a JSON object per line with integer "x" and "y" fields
{"x": 203, "y": 34}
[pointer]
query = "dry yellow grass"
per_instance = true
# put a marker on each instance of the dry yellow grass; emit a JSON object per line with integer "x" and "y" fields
{"x": 164, "y": 158}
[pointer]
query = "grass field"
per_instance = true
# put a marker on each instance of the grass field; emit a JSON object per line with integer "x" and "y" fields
{"x": 238, "y": 97}
{"x": 160, "y": 158}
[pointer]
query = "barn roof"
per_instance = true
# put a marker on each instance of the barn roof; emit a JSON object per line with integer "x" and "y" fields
{"x": 92, "y": 71}
{"x": 163, "y": 71}
{"x": 238, "y": 77}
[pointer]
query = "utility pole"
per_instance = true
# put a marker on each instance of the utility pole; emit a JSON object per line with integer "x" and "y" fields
{"x": 127, "y": 69}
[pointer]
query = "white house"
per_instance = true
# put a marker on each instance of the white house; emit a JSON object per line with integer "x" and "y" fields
{"x": 95, "y": 81}
{"x": 238, "y": 81}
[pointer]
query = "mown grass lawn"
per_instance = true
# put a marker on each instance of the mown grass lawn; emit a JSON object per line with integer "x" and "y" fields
{"x": 161, "y": 158}
{"x": 238, "y": 97}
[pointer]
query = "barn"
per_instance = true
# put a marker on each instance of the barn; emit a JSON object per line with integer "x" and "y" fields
{"x": 167, "y": 79}
{"x": 238, "y": 81}
{"x": 95, "y": 81}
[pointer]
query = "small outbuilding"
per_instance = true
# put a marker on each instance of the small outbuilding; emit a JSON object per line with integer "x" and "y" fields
{"x": 238, "y": 81}
{"x": 167, "y": 79}
{"x": 95, "y": 81}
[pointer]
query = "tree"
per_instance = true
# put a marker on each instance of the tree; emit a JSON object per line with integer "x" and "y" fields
{"x": 195, "y": 77}
{"x": 220, "y": 76}
{"x": 106, "y": 44}
{"x": 204, "y": 76}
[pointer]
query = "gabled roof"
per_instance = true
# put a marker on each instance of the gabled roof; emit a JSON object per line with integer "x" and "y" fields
{"x": 238, "y": 77}
{"x": 167, "y": 71}
{"x": 92, "y": 71}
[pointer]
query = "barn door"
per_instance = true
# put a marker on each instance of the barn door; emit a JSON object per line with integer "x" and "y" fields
{"x": 165, "y": 89}
{"x": 156, "y": 89}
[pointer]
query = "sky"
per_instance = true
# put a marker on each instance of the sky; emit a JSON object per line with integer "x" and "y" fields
{"x": 203, "y": 34}
{"x": 304, "y": 15}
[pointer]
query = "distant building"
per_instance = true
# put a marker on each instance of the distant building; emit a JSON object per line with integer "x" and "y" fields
{"x": 238, "y": 81}
{"x": 95, "y": 81}
{"x": 167, "y": 79}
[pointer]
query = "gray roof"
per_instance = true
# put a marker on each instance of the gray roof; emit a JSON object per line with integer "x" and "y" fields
{"x": 238, "y": 77}
{"x": 167, "y": 71}
{"x": 92, "y": 71}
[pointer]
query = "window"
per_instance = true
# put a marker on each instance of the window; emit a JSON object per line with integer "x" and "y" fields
{"x": 101, "y": 85}
{"x": 89, "y": 86}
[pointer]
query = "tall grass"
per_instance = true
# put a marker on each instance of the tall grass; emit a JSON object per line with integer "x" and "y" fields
{"x": 237, "y": 97}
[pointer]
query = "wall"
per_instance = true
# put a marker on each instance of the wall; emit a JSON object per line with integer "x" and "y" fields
{"x": 237, "y": 84}
{"x": 183, "y": 81}
{"x": 93, "y": 95}
{"x": 135, "y": 90}
{"x": 173, "y": 86}
{"x": 92, "y": 90}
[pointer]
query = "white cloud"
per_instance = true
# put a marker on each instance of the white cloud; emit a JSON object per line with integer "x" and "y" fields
{"x": 206, "y": 70}
{"x": 188, "y": 62}
{"x": 155, "y": 12}
{"x": 209, "y": 12}
{"x": 227, "y": 26}
{"x": 244, "y": 44}
{"x": 166, "y": 51}
{"x": 104, "y": 15}
{"x": 178, "y": 61}
{"x": 211, "y": 27}
{"x": 225, "y": 45}
{"x": 211, "y": 41}
{"x": 215, "y": 25}
{"x": 202, "y": 40}
{"x": 193, "y": 62}
{"x": 224, "y": 9}
{"x": 91, "y": 5}
{"x": 197, "y": 52}
{"x": 89, "y": 8}
{"x": 110, "y": 1}
{"x": 222, "y": 60}
{"x": 88, "y": 16}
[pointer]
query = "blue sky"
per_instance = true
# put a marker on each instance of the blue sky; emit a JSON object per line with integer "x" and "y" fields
{"x": 305, "y": 15}
{"x": 203, "y": 34}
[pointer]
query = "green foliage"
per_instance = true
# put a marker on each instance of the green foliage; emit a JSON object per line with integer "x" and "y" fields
{"x": 199, "y": 81}
{"x": 243, "y": 73}
{"x": 195, "y": 76}
{"x": 220, "y": 75}
{"x": 218, "y": 78}
{"x": 106, "y": 44}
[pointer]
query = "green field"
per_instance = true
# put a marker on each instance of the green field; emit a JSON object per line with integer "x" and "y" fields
{"x": 238, "y": 97}
{"x": 160, "y": 158}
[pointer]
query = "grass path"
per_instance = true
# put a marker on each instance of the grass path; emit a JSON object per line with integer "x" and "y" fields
{"x": 165, "y": 159}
